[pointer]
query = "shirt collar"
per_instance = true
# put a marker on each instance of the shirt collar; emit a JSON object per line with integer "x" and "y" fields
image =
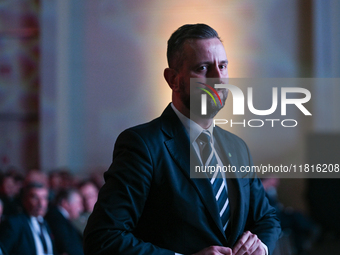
{"x": 64, "y": 212}
{"x": 34, "y": 223}
{"x": 38, "y": 219}
{"x": 193, "y": 129}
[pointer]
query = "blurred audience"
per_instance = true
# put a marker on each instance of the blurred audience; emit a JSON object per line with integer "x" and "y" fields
{"x": 69, "y": 205}
{"x": 27, "y": 232}
{"x": 24, "y": 204}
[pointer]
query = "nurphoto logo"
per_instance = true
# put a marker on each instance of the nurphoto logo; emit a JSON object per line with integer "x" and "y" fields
{"x": 212, "y": 99}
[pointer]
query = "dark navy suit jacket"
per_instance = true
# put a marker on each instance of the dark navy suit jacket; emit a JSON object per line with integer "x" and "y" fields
{"x": 67, "y": 239}
{"x": 16, "y": 236}
{"x": 150, "y": 205}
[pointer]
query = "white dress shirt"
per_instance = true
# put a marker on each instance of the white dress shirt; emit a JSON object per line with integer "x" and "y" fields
{"x": 34, "y": 224}
{"x": 194, "y": 130}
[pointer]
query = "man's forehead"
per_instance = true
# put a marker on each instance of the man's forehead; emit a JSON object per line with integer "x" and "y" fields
{"x": 204, "y": 48}
{"x": 204, "y": 42}
{"x": 38, "y": 191}
{"x": 88, "y": 188}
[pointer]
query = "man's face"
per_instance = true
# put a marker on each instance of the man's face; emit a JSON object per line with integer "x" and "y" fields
{"x": 89, "y": 193}
{"x": 36, "y": 201}
{"x": 9, "y": 186}
{"x": 202, "y": 58}
{"x": 74, "y": 207}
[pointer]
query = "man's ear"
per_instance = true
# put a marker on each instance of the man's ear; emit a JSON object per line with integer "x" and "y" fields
{"x": 171, "y": 77}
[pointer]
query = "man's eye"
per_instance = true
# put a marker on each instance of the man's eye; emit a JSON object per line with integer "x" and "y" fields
{"x": 223, "y": 66}
{"x": 202, "y": 68}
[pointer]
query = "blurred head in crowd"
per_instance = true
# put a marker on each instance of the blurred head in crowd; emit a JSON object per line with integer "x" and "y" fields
{"x": 54, "y": 180}
{"x": 8, "y": 185}
{"x": 89, "y": 192}
{"x": 71, "y": 201}
{"x": 35, "y": 199}
{"x": 35, "y": 175}
{"x": 11, "y": 182}
{"x": 67, "y": 180}
{"x": 270, "y": 182}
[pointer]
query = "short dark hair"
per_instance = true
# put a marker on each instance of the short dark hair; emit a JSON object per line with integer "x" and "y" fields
{"x": 86, "y": 182}
{"x": 32, "y": 185}
{"x": 65, "y": 194}
{"x": 177, "y": 39}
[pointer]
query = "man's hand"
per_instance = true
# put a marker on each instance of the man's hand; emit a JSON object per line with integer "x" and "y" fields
{"x": 249, "y": 244}
{"x": 215, "y": 250}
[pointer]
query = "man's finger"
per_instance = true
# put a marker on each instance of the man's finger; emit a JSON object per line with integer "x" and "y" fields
{"x": 255, "y": 248}
{"x": 241, "y": 242}
{"x": 248, "y": 243}
{"x": 224, "y": 250}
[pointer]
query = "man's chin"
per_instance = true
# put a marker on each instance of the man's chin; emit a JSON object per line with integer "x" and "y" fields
{"x": 40, "y": 213}
{"x": 210, "y": 114}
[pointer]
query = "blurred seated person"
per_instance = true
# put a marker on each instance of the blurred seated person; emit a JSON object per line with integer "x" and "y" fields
{"x": 9, "y": 194}
{"x": 301, "y": 228}
{"x": 69, "y": 205}
{"x": 89, "y": 192}
{"x": 28, "y": 233}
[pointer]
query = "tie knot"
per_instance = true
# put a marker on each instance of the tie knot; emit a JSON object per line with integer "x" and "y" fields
{"x": 40, "y": 220}
{"x": 205, "y": 137}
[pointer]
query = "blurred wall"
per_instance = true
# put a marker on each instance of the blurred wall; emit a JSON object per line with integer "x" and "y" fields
{"x": 19, "y": 84}
{"x": 102, "y": 66}
{"x": 103, "y": 62}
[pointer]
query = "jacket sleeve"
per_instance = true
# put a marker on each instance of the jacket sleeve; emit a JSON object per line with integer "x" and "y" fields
{"x": 110, "y": 228}
{"x": 9, "y": 234}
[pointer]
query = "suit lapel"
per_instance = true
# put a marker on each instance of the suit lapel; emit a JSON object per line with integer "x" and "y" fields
{"x": 28, "y": 230}
{"x": 178, "y": 146}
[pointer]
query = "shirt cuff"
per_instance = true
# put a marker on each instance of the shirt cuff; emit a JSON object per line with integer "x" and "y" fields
{"x": 265, "y": 247}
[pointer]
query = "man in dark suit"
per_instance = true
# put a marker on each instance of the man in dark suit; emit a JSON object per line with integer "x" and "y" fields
{"x": 27, "y": 233}
{"x": 150, "y": 205}
{"x": 68, "y": 240}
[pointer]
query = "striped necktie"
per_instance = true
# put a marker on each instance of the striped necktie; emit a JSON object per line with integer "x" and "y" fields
{"x": 41, "y": 235}
{"x": 208, "y": 156}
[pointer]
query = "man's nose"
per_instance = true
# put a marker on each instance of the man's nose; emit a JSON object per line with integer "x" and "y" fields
{"x": 216, "y": 76}
{"x": 215, "y": 72}
{"x": 41, "y": 202}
